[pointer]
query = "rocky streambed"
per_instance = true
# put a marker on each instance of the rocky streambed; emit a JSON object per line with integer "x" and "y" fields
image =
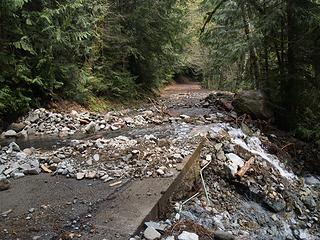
{"x": 246, "y": 190}
{"x": 267, "y": 201}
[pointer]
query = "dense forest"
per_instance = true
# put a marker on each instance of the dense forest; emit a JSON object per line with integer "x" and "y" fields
{"x": 83, "y": 50}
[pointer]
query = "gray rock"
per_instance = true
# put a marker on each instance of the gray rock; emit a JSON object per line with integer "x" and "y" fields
{"x": 309, "y": 202}
{"x": 10, "y": 133}
{"x": 17, "y": 126}
{"x": 150, "y": 233}
{"x": 6, "y": 213}
{"x": 33, "y": 117}
{"x": 221, "y": 156}
{"x": 15, "y": 147}
{"x": 18, "y": 175}
{"x": 32, "y": 171}
{"x": 4, "y": 184}
{"x": 276, "y": 205}
{"x": 156, "y": 226}
{"x": 253, "y": 103}
{"x": 188, "y": 236}
{"x": 311, "y": 180}
{"x": 221, "y": 235}
{"x": 90, "y": 128}
{"x": 2, "y": 168}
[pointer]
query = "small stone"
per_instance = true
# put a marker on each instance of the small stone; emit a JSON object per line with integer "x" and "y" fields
{"x": 17, "y": 126}
{"x": 80, "y": 175}
{"x": 18, "y": 175}
{"x": 218, "y": 146}
{"x": 114, "y": 128}
{"x": 235, "y": 162}
{"x": 96, "y": 157}
{"x": 208, "y": 157}
{"x": 183, "y": 116}
{"x": 148, "y": 113}
{"x": 10, "y": 133}
{"x": 89, "y": 162}
{"x": 221, "y": 156}
{"x": 170, "y": 238}
{"x": 276, "y": 205}
{"x": 135, "y": 151}
{"x": 14, "y": 147}
{"x": 150, "y": 233}
{"x": 311, "y": 180}
{"x": 4, "y": 184}
{"x": 33, "y": 117}
{"x": 31, "y": 210}
{"x": 221, "y": 235}
{"x": 6, "y": 213}
{"x": 28, "y": 151}
{"x": 156, "y": 225}
{"x": 74, "y": 113}
{"x": 188, "y": 236}
{"x": 309, "y": 202}
{"x": 91, "y": 174}
{"x": 160, "y": 171}
{"x": 32, "y": 171}
{"x": 90, "y": 128}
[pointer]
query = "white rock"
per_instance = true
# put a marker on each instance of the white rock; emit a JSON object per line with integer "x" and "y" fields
{"x": 80, "y": 175}
{"x": 235, "y": 162}
{"x": 89, "y": 162}
{"x": 160, "y": 171}
{"x": 74, "y": 113}
{"x": 208, "y": 157}
{"x": 18, "y": 175}
{"x": 114, "y": 128}
{"x": 150, "y": 233}
{"x": 14, "y": 147}
{"x": 96, "y": 157}
{"x": 185, "y": 116}
{"x": 218, "y": 146}
{"x": 10, "y": 133}
{"x": 188, "y": 236}
{"x": 91, "y": 174}
{"x": 148, "y": 113}
{"x": 170, "y": 238}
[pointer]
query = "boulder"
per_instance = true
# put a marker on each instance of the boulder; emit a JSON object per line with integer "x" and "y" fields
{"x": 10, "y": 133}
{"x": 17, "y": 126}
{"x": 253, "y": 103}
{"x": 4, "y": 184}
{"x": 150, "y": 233}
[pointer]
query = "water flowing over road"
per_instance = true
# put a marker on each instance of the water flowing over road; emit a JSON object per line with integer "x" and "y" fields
{"x": 101, "y": 175}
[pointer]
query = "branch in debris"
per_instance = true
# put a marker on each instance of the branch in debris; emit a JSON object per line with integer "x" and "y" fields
{"x": 245, "y": 167}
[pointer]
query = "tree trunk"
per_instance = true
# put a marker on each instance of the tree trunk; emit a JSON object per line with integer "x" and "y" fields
{"x": 290, "y": 88}
{"x": 254, "y": 64}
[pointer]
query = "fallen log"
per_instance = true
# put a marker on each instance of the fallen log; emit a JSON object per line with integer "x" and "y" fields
{"x": 245, "y": 167}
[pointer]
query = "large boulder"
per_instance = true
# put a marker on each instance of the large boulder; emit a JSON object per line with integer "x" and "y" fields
{"x": 253, "y": 103}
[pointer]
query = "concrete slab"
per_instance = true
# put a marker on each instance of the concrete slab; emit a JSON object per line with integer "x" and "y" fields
{"x": 89, "y": 209}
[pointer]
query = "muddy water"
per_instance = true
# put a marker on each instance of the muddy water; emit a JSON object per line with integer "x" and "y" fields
{"x": 52, "y": 142}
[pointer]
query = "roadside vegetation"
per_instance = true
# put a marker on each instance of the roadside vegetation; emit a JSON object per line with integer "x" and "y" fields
{"x": 101, "y": 50}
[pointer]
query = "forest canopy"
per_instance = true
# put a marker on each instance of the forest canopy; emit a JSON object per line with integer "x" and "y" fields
{"x": 124, "y": 49}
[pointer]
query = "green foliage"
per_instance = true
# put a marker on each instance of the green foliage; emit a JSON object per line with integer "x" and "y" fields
{"x": 78, "y": 49}
{"x": 268, "y": 45}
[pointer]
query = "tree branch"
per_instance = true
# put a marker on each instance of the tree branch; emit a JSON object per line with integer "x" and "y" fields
{"x": 210, "y": 15}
